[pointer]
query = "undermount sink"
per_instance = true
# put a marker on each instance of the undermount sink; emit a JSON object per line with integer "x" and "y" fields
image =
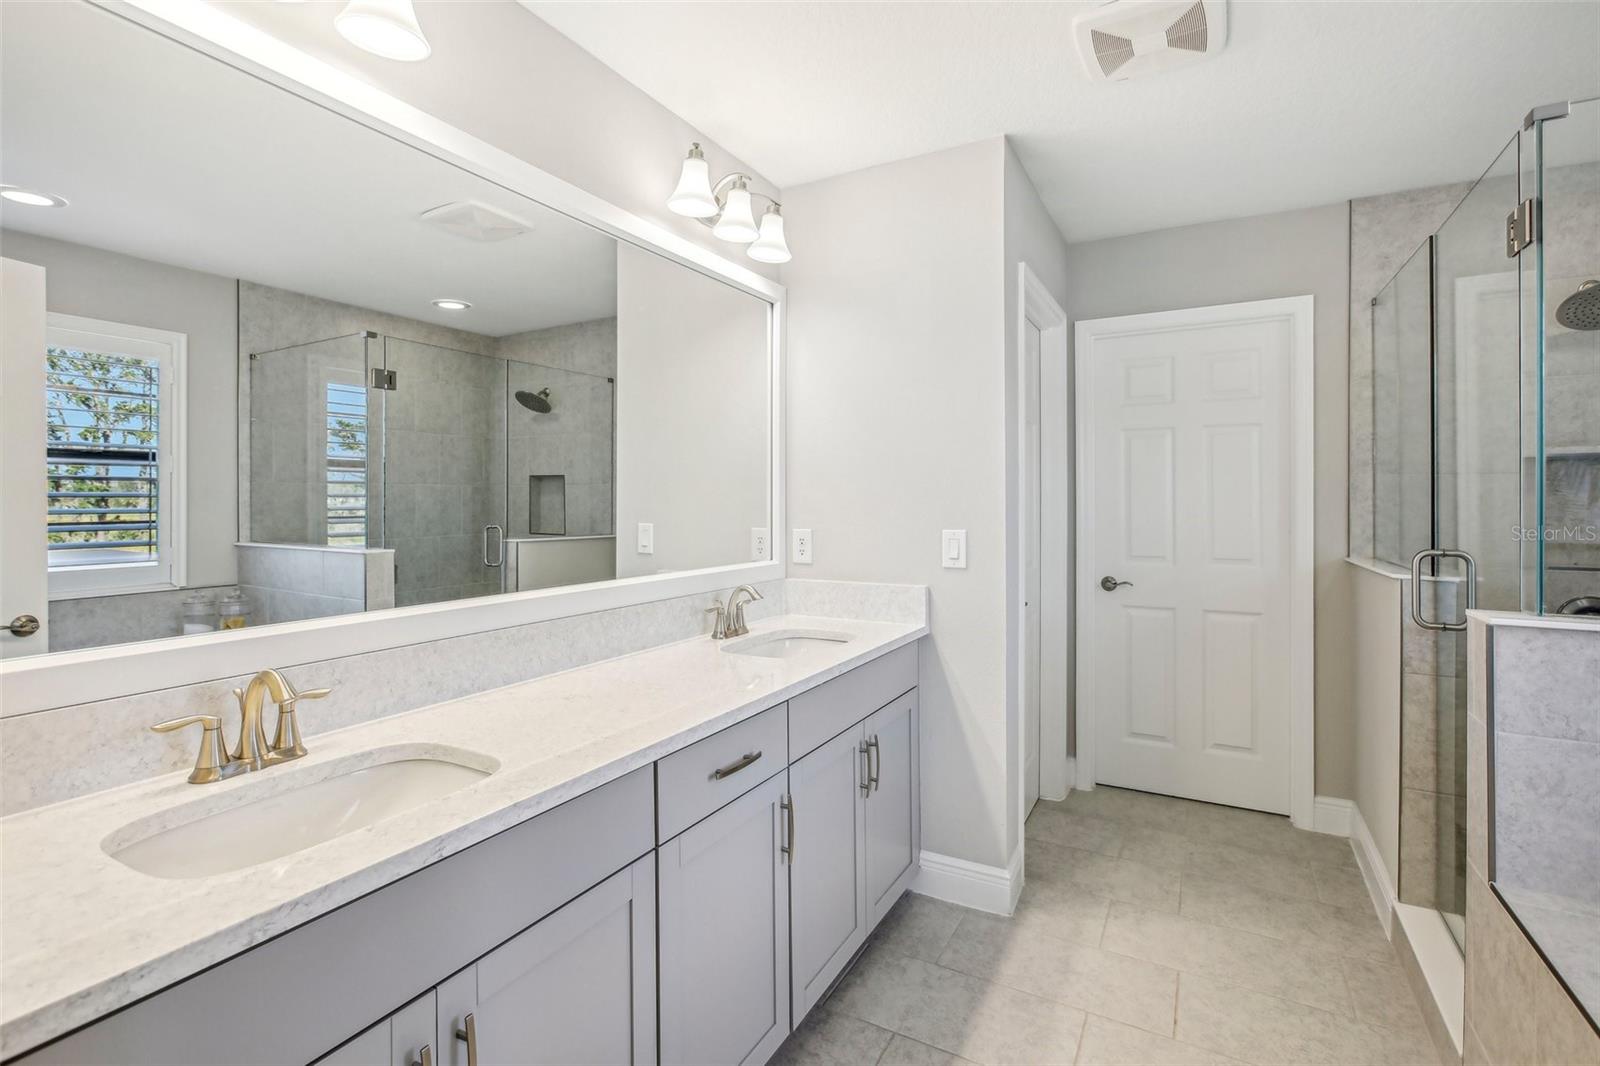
{"x": 785, "y": 643}
{"x": 281, "y": 824}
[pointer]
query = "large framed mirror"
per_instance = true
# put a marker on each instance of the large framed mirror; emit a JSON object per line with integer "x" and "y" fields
{"x": 293, "y": 362}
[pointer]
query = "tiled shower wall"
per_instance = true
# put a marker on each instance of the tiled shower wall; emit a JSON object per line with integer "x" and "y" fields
{"x": 1546, "y": 790}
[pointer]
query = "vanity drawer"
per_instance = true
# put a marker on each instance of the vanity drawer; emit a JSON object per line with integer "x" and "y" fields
{"x": 834, "y": 706}
{"x": 688, "y": 785}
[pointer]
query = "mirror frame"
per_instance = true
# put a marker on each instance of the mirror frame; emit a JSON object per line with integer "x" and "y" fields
{"x": 60, "y": 679}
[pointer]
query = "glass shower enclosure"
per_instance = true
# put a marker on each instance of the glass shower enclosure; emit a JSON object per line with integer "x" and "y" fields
{"x": 446, "y": 458}
{"x": 1486, "y": 456}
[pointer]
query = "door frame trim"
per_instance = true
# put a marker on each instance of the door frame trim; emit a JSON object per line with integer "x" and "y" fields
{"x": 1036, "y": 305}
{"x": 1298, "y": 311}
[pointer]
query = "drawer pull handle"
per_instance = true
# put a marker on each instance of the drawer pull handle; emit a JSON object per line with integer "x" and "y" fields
{"x": 470, "y": 1035}
{"x": 424, "y": 1057}
{"x": 735, "y": 766}
{"x": 864, "y": 782}
{"x": 874, "y": 759}
{"x": 787, "y": 803}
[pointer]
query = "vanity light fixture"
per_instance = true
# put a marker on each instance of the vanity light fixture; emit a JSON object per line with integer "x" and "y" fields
{"x": 451, "y": 305}
{"x": 728, "y": 209}
{"x": 386, "y": 28}
{"x": 18, "y": 195}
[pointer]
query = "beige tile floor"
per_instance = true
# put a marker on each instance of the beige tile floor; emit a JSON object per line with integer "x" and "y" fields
{"x": 1151, "y": 930}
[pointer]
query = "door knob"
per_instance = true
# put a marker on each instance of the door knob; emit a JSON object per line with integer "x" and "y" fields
{"x": 1111, "y": 584}
{"x": 23, "y": 625}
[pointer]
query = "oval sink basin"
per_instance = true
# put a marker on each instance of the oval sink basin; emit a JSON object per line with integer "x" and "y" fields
{"x": 785, "y": 643}
{"x": 282, "y": 824}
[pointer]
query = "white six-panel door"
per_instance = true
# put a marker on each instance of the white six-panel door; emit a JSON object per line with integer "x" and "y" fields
{"x": 1190, "y": 502}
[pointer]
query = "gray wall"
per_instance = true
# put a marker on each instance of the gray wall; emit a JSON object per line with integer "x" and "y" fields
{"x": 896, "y": 431}
{"x": 1289, "y": 254}
{"x": 98, "y": 284}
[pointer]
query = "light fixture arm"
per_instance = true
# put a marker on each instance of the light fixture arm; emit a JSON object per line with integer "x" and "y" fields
{"x": 719, "y": 193}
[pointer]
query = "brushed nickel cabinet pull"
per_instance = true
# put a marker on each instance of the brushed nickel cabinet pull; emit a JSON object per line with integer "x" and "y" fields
{"x": 470, "y": 1034}
{"x": 424, "y": 1057}
{"x": 874, "y": 760}
{"x": 787, "y": 803}
{"x": 735, "y": 766}
{"x": 864, "y": 782}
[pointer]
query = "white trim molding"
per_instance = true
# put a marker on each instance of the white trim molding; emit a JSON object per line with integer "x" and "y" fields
{"x": 1380, "y": 886}
{"x": 970, "y": 884}
{"x": 1332, "y": 815}
{"x": 42, "y": 682}
{"x": 1298, "y": 311}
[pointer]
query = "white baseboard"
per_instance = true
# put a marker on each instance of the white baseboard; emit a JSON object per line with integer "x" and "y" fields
{"x": 970, "y": 884}
{"x": 1332, "y": 815}
{"x": 1379, "y": 884}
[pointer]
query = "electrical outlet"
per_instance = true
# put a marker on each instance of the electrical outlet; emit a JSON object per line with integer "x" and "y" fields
{"x": 760, "y": 543}
{"x": 954, "y": 555}
{"x": 803, "y": 546}
{"x": 647, "y": 538}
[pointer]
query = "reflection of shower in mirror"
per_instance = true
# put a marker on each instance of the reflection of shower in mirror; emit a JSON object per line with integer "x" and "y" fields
{"x": 537, "y": 402}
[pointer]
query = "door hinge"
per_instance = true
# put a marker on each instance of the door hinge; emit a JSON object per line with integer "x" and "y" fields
{"x": 1522, "y": 227}
{"x": 383, "y": 379}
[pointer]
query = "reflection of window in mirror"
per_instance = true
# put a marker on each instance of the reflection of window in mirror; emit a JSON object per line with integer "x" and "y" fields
{"x": 345, "y": 458}
{"x": 113, "y": 426}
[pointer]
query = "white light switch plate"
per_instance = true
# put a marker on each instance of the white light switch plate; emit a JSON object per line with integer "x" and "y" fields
{"x": 647, "y": 538}
{"x": 954, "y": 553}
{"x": 803, "y": 546}
{"x": 760, "y": 543}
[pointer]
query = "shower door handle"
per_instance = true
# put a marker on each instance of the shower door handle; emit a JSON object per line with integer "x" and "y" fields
{"x": 1471, "y": 579}
{"x": 499, "y": 545}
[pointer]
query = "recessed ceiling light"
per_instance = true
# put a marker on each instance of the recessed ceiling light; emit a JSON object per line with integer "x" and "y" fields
{"x": 451, "y": 305}
{"x": 18, "y": 195}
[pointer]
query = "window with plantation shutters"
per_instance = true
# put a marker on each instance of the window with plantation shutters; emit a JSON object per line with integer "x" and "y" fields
{"x": 111, "y": 423}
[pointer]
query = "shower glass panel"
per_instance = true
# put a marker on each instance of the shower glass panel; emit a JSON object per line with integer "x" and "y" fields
{"x": 445, "y": 475}
{"x": 1567, "y": 337}
{"x": 1402, "y": 396}
{"x": 316, "y": 444}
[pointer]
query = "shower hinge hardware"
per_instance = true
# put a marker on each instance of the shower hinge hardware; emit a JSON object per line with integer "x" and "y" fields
{"x": 383, "y": 379}
{"x": 1522, "y": 227}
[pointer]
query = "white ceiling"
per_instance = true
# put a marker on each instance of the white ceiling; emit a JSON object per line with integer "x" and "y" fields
{"x": 169, "y": 155}
{"x": 1309, "y": 103}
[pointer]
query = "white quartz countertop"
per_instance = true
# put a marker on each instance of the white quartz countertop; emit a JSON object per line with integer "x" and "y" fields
{"x": 82, "y": 935}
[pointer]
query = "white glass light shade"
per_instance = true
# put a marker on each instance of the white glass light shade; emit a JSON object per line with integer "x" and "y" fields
{"x": 693, "y": 196}
{"x": 770, "y": 247}
{"x": 387, "y": 28}
{"x": 738, "y": 221}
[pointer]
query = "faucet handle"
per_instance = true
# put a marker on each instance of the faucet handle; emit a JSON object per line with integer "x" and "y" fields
{"x": 212, "y": 764}
{"x": 286, "y": 743}
{"x": 720, "y": 629}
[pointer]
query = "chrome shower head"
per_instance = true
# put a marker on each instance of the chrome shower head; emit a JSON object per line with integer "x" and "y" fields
{"x": 1581, "y": 310}
{"x": 537, "y": 402}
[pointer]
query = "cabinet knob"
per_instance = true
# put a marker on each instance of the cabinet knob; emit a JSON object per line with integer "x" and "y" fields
{"x": 469, "y": 1033}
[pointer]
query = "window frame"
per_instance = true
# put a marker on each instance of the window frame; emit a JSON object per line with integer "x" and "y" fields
{"x": 169, "y": 350}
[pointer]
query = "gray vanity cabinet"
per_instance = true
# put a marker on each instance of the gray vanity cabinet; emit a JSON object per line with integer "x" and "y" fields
{"x": 828, "y": 876}
{"x": 405, "y": 1038}
{"x": 893, "y": 807}
{"x": 578, "y": 987}
{"x": 724, "y": 912}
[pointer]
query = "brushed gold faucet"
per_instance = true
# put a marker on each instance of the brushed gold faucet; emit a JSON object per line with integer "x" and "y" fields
{"x": 252, "y": 752}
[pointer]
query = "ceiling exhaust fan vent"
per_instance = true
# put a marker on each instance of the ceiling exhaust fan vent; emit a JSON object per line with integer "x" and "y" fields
{"x": 1131, "y": 38}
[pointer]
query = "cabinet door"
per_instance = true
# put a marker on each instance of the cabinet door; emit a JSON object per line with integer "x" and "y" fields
{"x": 578, "y": 987}
{"x": 827, "y": 878}
{"x": 725, "y": 934}
{"x": 893, "y": 806}
{"x": 398, "y": 1040}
